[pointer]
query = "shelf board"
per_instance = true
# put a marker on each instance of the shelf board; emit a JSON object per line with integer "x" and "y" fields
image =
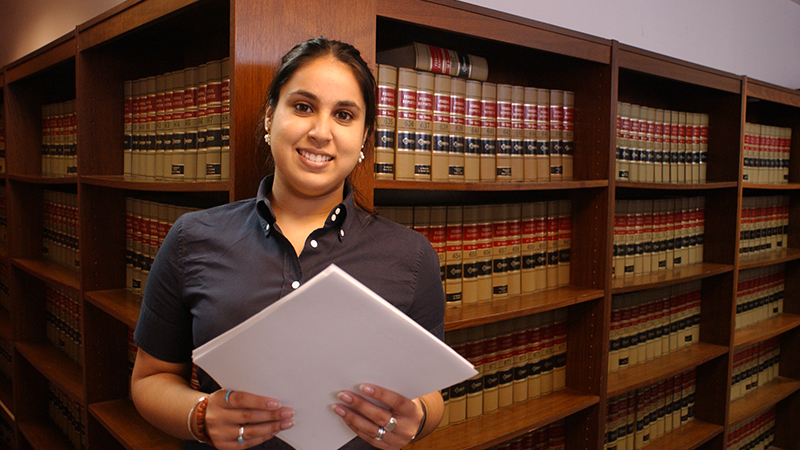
{"x": 38, "y": 179}
{"x": 51, "y": 273}
{"x": 140, "y": 184}
{"x": 677, "y": 186}
{"x": 120, "y": 304}
{"x": 770, "y": 92}
{"x": 5, "y": 324}
{"x": 44, "y": 436}
{"x": 515, "y": 306}
{"x": 688, "y": 437}
{"x": 768, "y": 258}
{"x": 6, "y": 397}
{"x": 121, "y": 420}
{"x": 671, "y": 364}
{"x": 772, "y": 187}
{"x": 56, "y": 366}
{"x": 664, "y": 278}
{"x": 761, "y": 399}
{"x": 57, "y": 51}
{"x": 510, "y": 186}
{"x": 507, "y": 423}
{"x": 774, "y": 326}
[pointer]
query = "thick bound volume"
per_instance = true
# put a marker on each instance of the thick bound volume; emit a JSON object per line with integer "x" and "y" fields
{"x": 517, "y": 132}
{"x": 406, "y": 123}
{"x": 423, "y": 126}
{"x": 503, "y": 146}
{"x": 440, "y": 141}
{"x": 488, "y": 151}
{"x": 472, "y": 129}
{"x": 386, "y": 122}
{"x": 436, "y": 59}
{"x": 458, "y": 105}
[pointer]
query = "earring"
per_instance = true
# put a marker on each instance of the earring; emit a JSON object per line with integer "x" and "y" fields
{"x": 267, "y": 139}
{"x": 361, "y": 157}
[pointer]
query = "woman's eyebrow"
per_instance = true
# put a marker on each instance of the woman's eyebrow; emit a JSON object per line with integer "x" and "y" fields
{"x": 312, "y": 96}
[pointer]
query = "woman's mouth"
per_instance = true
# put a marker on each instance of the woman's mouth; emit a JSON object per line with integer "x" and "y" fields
{"x": 315, "y": 157}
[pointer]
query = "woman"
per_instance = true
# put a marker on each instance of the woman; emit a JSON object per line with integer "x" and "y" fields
{"x": 220, "y": 266}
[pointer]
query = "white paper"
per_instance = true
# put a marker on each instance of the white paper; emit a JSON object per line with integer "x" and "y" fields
{"x": 329, "y": 335}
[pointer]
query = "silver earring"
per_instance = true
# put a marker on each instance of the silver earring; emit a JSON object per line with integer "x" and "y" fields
{"x": 361, "y": 157}
{"x": 268, "y": 139}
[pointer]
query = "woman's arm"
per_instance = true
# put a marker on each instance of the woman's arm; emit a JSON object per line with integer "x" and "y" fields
{"x": 161, "y": 392}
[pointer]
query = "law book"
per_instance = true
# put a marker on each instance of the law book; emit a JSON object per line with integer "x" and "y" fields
{"x": 552, "y": 243}
{"x": 491, "y": 360}
{"x": 543, "y": 135}
{"x": 149, "y": 149}
{"x": 457, "y": 393}
{"x": 535, "y": 349}
{"x": 454, "y": 260}
{"x": 529, "y": 120}
{"x": 406, "y": 123}
{"x": 564, "y": 241}
{"x": 167, "y": 126}
{"x": 436, "y": 59}
{"x": 517, "y": 132}
{"x": 540, "y": 211}
{"x": 127, "y": 146}
{"x": 470, "y": 269}
{"x": 503, "y": 133}
{"x": 423, "y": 126}
{"x": 559, "y": 349}
{"x": 514, "y": 246}
{"x": 521, "y": 340}
{"x": 178, "y": 158}
{"x": 556, "y": 135}
{"x": 472, "y": 131}
{"x": 485, "y": 252}
{"x": 457, "y": 130}
{"x": 213, "y": 168}
{"x": 440, "y": 141}
{"x": 356, "y": 337}
{"x": 500, "y": 250}
{"x": 488, "y": 142}
{"x": 190, "y": 118}
{"x": 438, "y": 237}
{"x": 225, "y": 119}
{"x": 158, "y": 172}
{"x": 385, "y": 122}
{"x": 621, "y": 163}
{"x": 202, "y": 125}
{"x": 527, "y": 247}
{"x": 476, "y": 355}
{"x": 647, "y": 173}
{"x": 548, "y": 350}
{"x": 505, "y": 367}
{"x": 568, "y": 136}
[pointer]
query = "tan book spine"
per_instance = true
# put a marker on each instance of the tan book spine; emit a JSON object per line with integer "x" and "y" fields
{"x": 500, "y": 249}
{"x": 149, "y": 163}
{"x": 517, "y": 132}
{"x": 225, "y": 119}
{"x": 485, "y": 246}
{"x": 540, "y": 246}
{"x": 503, "y": 133}
{"x": 138, "y": 119}
{"x": 614, "y": 334}
{"x": 406, "y": 123}
{"x": 202, "y": 121}
{"x": 529, "y": 162}
{"x": 564, "y": 241}
{"x": 626, "y": 209}
{"x": 167, "y": 134}
{"x": 129, "y": 243}
{"x": 548, "y": 348}
{"x": 470, "y": 255}
{"x": 127, "y": 148}
{"x": 476, "y": 354}
{"x": 491, "y": 378}
{"x": 423, "y": 128}
{"x": 521, "y": 343}
{"x": 472, "y": 138}
{"x": 556, "y": 135}
{"x": 618, "y": 259}
{"x": 659, "y": 171}
{"x": 560, "y": 349}
{"x": 505, "y": 367}
{"x": 623, "y": 151}
{"x": 647, "y": 236}
{"x": 457, "y": 410}
{"x": 457, "y": 129}
{"x": 684, "y": 151}
{"x": 543, "y": 135}
{"x": 535, "y": 355}
{"x": 637, "y": 144}
{"x": 552, "y": 243}
{"x": 488, "y": 150}
{"x": 178, "y": 130}
{"x": 568, "y": 136}
{"x": 438, "y": 237}
{"x": 213, "y": 121}
{"x": 514, "y": 248}
{"x": 527, "y": 248}
{"x": 454, "y": 260}
{"x": 649, "y": 156}
{"x": 190, "y": 123}
{"x": 437, "y": 60}
{"x": 385, "y": 122}
{"x": 440, "y": 145}
{"x": 160, "y": 113}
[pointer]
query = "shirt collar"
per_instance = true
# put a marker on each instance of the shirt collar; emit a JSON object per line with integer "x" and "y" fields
{"x": 338, "y": 217}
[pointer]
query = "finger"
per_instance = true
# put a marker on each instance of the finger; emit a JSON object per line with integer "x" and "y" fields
{"x": 396, "y": 402}
{"x": 367, "y": 429}
{"x": 240, "y": 399}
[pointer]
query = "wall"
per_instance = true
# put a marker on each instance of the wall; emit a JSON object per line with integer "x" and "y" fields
{"x": 760, "y": 38}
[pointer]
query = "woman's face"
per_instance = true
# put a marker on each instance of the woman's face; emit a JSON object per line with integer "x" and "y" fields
{"x": 317, "y": 128}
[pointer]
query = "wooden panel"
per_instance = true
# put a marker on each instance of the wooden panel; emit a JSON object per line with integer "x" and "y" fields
{"x": 774, "y": 326}
{"x": 666, "y": 366}
{"x": 43, "y": 436}
{"x": 48, "y": 56}
{"x": 51, "y": 273}
{"x": 768, "y": 258}
{"x": 107, "y": 376}
{"x": 122, "y": 420}
{"x": 510, "y": 187}
{"x": 668, "y": 277}
{"x": 762, "y": 399}
{"x": 122, "y": 182}
{"x": 765, "y": 91}
{"x": 688, "y": 437}
{"x": 56, "y": 366}
{"x": 506, "y": 424}
{"x": 121, "y": 304}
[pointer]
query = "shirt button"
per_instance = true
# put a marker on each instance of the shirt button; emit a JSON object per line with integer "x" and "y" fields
{"x": 314, "y": 243}
{"x": 295, "y": 284}
{"x": 266, "y": 227}
{"x": 333, "y": 217}
{"x": 341, "y": 233}
{"x": 338, "y": 210}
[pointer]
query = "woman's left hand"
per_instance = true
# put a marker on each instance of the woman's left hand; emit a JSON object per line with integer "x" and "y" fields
{"x": 374, "y": 423}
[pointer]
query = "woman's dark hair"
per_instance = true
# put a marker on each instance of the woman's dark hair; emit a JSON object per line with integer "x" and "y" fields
{"x": 302, "y": 54}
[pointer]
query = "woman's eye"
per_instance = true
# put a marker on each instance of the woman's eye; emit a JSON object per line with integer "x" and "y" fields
{"x": 344, "y": 115}
{"x": 302, "y": 107}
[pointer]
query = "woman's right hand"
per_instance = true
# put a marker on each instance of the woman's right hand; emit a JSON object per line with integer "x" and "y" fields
{"x": 234, "y": 414}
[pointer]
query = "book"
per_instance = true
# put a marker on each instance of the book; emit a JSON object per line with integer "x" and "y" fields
{"x": 458, "y": 105}
{"x": 332, "y": 333}
{"x": 440, "y": 140}
{"x": 436, "y": 59}
{"x": 406, "y": 123}
{"x": 385, "y": 122}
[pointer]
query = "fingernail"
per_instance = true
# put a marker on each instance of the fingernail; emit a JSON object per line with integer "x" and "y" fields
{"x": 286, "y": 425}
{"x": 287, "y": 414}
{"x": 367, "y": 389}
{"x": 345, "y": 397}
{"x": 273, "y": 405}
{"x": 338, "y": 410}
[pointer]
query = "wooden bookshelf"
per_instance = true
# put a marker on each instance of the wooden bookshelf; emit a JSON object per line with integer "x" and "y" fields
{"x": 92, "y": 62}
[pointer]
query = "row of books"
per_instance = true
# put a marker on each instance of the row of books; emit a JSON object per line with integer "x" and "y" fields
{"x": 68, "y": 415}
{"x": 637, "y": 418}
{"x": 766, "y": 154}
{"x": 516, "y": 359}
{"x": 146, "y": 226}
{"x": 177, "y": 124}
{"x": 434, "y": 127}
{"x": 60, "y": 228}
{"x": 63, "y": 322}
{"x": 759, "y": 295}
{"x": 756, "y": 433}
{"x": 60, "y": 139}
{"x": 648, "y": 324}
{"x": 655, "y": 235}
{"x": 660, "y": 146}
{"x": 764, "y": 224}
{"x": 492, "y": 251}
{"x": 2, "y": 141}
{"x": 754, "y": 366}
{"x": 550, "y": 437}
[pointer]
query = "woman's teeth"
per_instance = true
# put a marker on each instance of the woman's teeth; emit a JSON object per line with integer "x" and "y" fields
{"x": 316, "y": 158}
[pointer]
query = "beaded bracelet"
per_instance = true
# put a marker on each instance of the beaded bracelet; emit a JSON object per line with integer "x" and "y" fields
{"x": 198, "y": 413}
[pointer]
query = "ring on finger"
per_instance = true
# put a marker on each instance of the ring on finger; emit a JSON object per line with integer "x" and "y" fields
{"x": 228, "y": 397}
{"x": 389, "y": 427}
{"x": 241, "y": 434}
{"x": 381, "y": 432}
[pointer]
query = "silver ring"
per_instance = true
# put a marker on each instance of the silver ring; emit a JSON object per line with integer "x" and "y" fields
{"x": 227, "y": 398}
{"x": 381, "y": 432}
{"x": 390, "y": 426}
{"x": 241, "y": 434}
